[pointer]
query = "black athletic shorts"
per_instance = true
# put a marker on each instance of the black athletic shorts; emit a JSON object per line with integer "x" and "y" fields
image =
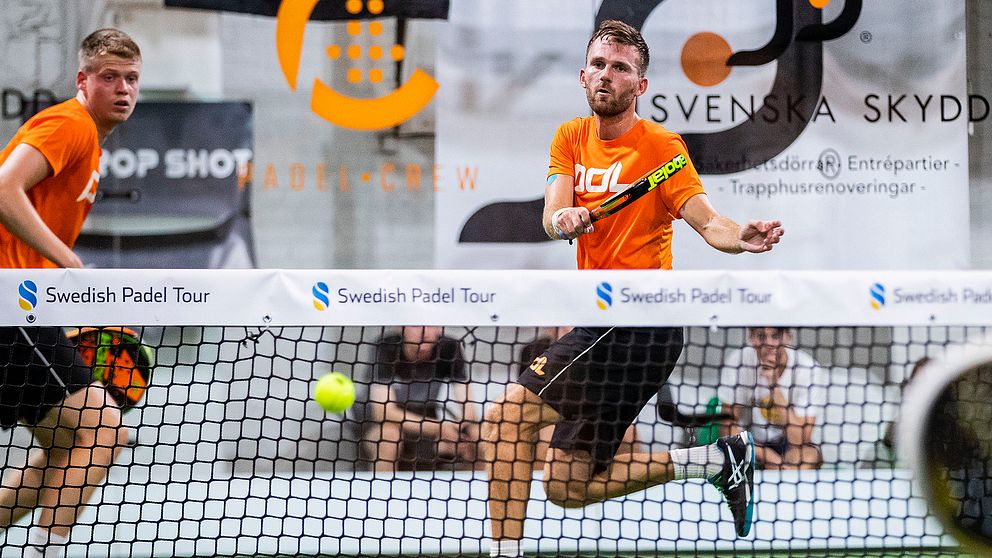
{"x": 39, "y": 367}
{"x": 599, "y": 379}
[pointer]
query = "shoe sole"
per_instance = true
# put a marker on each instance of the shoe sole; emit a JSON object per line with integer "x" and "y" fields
{"x": 749, "y": 510}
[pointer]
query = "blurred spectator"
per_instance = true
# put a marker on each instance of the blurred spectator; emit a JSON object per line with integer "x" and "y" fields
{"x": 883, "y": 454}
{"x": 419, "y": 415}
{"x": 771, "y": 389}
{"x": 528, "y": 354}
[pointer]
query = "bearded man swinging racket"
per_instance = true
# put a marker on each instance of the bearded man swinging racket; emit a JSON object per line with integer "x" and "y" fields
{"x": 593, "y": 382}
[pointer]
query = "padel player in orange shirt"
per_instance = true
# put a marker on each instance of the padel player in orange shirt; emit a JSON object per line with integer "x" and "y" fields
{"x": 593, "y": 382}
{"x": 48, "y": 179}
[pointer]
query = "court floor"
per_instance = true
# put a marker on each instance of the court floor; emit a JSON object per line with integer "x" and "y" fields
{"x": 793, "y": 553}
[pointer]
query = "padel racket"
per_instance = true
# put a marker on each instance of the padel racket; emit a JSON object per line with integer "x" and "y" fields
{"x": 945, "y": 437}
{"x": 120, "y": 361}
{"x": 641, "y": 186}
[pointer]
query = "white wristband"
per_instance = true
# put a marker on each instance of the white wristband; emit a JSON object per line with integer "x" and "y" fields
{"x": 554, "y": 222}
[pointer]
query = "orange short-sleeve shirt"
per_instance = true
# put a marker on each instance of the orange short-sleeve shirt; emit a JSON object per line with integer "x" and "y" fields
{"x": 640, "y": 235}
{"x": 67, "y": 137}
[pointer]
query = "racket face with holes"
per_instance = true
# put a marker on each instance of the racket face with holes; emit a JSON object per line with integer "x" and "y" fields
{"x": 119, "y": 360}
{"x": 639, "y": 188}
{"x": 945, "y": 437}
{"x": 957, "y": 444}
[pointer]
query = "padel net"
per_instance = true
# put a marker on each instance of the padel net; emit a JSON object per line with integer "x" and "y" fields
{"x": 230, "y": 454}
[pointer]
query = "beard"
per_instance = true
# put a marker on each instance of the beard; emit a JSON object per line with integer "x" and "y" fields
{"x": 616, "y": 104}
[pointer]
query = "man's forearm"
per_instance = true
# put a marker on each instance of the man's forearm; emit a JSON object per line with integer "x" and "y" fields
{"x": 549, "y": 228}
{"x": 723, "y": 234}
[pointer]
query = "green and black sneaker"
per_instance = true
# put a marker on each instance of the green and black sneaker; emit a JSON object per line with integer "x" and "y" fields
{"x": 736, "y": 480}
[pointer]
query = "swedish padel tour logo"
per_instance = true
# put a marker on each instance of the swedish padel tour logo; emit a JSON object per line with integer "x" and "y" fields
{"x": 604, "y": 295}
{"x": 877, "y": 293}
{"x": 321, "y": 296}
{"x": 27, "y": 293}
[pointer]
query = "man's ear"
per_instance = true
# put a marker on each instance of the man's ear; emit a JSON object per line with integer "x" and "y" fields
{"x": 642, "y": 86}
{"x": 81, "y": 81}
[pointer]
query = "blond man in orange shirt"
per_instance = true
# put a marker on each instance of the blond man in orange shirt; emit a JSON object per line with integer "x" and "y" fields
{"x": 49, "y": 174}
{"x": 593, "y": 382}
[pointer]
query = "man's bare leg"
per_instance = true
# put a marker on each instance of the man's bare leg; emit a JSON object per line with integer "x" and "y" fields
{"x": 571, "y": 479}
{"x": 510, "y": 435}
{"x": 20, "y": 488}
{"x": 89, "y": 438}
{"x": 79, "y": 440}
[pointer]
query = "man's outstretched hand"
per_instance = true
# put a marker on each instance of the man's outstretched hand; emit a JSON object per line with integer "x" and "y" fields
{"x": 760, "y": 236}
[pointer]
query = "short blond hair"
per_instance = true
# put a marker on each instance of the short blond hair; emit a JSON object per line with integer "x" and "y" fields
{"x": 106, "y": 41}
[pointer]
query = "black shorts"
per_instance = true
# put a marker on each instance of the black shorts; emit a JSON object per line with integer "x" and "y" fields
{"x": 39, "y": 367}
{"x": 599, "y": 379}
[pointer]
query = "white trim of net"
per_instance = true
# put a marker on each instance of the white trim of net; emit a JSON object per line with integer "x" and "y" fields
{"x": 504, "y": 297}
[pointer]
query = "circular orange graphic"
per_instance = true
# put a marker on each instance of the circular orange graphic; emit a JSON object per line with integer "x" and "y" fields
{"x": 819, "y": 3}
{"x": 397, "y": 52}
{"x": 704, "y": 59}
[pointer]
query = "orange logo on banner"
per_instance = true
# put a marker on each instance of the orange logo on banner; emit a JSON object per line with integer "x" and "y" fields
{"x": 704, "y": 59}
{"x": 705, "y": 55}
{"x": 358, "y": 114}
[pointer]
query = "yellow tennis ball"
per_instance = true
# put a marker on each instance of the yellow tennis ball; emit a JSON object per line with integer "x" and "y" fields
{"x": 335, "y": 392}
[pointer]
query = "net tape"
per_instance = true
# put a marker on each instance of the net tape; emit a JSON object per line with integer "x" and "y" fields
{"x": 229, "y": 454}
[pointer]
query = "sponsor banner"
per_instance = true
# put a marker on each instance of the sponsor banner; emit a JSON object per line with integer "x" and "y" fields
{"x": 263, "y": 298}
{"x": 833, "y": 119}
{"x": 324, "y": 11}
{"x": 174, "y": 191}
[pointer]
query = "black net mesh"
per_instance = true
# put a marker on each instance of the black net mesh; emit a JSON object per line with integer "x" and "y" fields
{"x": 227, "y": 453}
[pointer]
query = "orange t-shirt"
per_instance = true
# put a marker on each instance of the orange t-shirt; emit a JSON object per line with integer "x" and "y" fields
{"x": 639, "y": 236}
{"x": 66, "y": 135}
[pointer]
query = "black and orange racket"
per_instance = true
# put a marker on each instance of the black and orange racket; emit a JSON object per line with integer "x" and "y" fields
{"x": 120, "y": 361}
{"x": 641, "y": 186}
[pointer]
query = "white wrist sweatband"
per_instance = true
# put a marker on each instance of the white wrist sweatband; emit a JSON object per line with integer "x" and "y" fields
{"x": 554, "y": 222}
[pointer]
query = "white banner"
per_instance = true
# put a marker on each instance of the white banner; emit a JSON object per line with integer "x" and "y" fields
{"x": 262, "y": 298}
{"x": 849, "y": 123}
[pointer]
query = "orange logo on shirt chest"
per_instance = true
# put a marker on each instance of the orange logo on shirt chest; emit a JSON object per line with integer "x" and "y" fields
{"x": 89, "y": 192}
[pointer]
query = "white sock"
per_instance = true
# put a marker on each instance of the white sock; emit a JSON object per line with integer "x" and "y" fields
{"x": 506, "y": 547}
{"x": 697, "y": 463}
{"x": 43, "y": 543}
